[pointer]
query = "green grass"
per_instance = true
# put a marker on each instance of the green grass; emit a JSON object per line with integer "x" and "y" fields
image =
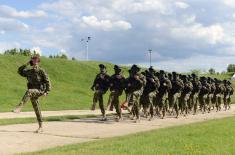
{"x": 45, "y": 119}
{"x": 216, "y": 137}
{"x": 71, "y": 82}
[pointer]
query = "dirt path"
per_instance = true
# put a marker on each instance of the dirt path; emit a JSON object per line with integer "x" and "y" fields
{"x": 20, "y": 138}
{"x": 6, "y": 115}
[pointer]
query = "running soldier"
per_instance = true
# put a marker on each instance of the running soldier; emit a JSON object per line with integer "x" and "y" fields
{"x": 117, "y": 85}
{"x": 175, "y": 92}
{"x": 162, "y": 96}
{"x": 194, "y": 95}
{"x": 100, "y": 86}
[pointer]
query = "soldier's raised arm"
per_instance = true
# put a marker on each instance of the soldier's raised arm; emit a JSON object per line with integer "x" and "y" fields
{"x": 22, "y": 70}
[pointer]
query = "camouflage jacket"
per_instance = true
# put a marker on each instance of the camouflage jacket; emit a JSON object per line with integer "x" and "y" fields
{"x": 196, "y": 86}
{"x": 165, "y": 86}
{"x": 101, "y": 82}
{"x": 188, "y": 87}
{"x": 219, "y": 89}
{"x": 117, "y": 82}
{"x": 133, "y": 84}
{"x": 177, "y": 86}
{"x": 152, "y": 84}
{"x": 37, "y": 78}
{"x": 205, "y": 89}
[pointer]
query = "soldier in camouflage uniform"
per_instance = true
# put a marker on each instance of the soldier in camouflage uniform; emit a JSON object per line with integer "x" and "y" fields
{"x": 149, "y": 93}
{"x": 218, "y": 94}
{"x": 117, "y": 85}
{"x": 134, "y": 88}
{"x": 38, "y": 85}
{"x": 175, "y": 92}
{"x": 100, "y": 86}
{"x": 203, "y": 94}
{"x": 227, "y": 94}
{"x": 162, "y": 96}
{"x": 210, "y": 94}
{"x": 184, "y": 98}
{"x": 194, "y": 95}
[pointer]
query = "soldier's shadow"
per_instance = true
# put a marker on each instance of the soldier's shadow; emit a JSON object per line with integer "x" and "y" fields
{"x": 98, "y": 120}
{"x": 21, "y": 131}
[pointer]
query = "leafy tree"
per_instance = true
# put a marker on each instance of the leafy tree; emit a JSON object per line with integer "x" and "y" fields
{"x": 212, "y": 71}
{"x": 231, "y": 68}
{"x": 196, "y": 71}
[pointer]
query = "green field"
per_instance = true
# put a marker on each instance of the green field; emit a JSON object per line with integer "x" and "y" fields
{"x": 71, "y": 82}
{"x": 216, "y": 137}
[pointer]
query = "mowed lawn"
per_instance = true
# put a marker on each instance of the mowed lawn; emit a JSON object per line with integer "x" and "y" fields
{"x": 216, "y": 137}
{"x": 71, "y": 82}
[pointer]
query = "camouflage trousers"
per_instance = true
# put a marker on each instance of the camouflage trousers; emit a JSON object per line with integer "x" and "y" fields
{"x": 193, "y": 101}
{"x": 133, "y": 103}
{"x": 209, "y": 102}
{"x": 184, "y": 101}
{"x": 174, "y": 102}
{"x": 114, "y": 101}
{"x": 202, "y": 102}
{"x": 33, "y": 95}
{"x": 98, "y": 97}
{"x": 162, "y": 100}
{"x": 227, "y": 101}
{"x": 217, "y": 99}
{"x": 148, "y": 100}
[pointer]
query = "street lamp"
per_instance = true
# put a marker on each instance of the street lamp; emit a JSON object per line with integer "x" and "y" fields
{"x": 87, "y": 46}
{"x": 150, "y": 57}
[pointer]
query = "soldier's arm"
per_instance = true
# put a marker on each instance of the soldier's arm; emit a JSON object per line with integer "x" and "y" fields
{"x": 46, "y": 81}
{"x": 23, "y": 71}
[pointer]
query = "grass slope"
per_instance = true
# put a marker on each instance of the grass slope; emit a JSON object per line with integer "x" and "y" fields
{"x": 71, "y": 82}
{"x": 214, "y": 137}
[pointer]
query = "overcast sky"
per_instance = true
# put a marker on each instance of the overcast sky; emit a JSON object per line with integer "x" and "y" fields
{"x": 183, "y": 34}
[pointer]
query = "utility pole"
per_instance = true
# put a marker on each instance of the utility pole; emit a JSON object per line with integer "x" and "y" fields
{"x": 150, "y": 57}
{"x": 87, "y": 47}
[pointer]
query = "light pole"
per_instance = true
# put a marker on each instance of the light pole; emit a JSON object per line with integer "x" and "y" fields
{"x": 87, "y": 47}
{"x": 150, "y": 57}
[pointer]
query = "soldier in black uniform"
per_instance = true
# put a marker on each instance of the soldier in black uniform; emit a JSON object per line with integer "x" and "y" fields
{"x": 175, "y": 92}
{"x": 117, "y": 85}
{"x": 162, "y": 96}
{"x": 100, "y": 86}
{"x": 194, "y": 95}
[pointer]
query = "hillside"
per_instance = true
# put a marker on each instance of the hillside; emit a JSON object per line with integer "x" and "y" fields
{"x": 71, "y": 82}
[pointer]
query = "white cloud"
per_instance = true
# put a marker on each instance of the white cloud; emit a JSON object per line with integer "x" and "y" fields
{"x": 211, "y": 34}
{"x": 230, "y": 3}
{"x": 8, "y": 45}
{"x": 105, "y": 25}
{"x": 181, "y": 5}
{"x": 7, "y": 11}
{"x": 8, "y": 24}
{"x": 2, "y": 32}
{"x": 37, "y": 50}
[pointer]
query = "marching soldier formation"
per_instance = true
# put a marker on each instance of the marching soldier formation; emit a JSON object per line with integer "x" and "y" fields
{"x": 160, "y": 93}
{"x": 154, "y": 93}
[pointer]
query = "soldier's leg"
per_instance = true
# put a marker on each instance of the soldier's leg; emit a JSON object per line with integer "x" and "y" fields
{"x": 176, "y": 104}
{"x": 37, "y": 111}
{"x": 229, "y": 102}
{"x": 195, "y": 104}
{"x": 95, "y": 99}
{"x": 24, "y": 100}
{"x": 117, "y": 106}
{"x": 151, "y": 97}
{"x": 101, "y": 105}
